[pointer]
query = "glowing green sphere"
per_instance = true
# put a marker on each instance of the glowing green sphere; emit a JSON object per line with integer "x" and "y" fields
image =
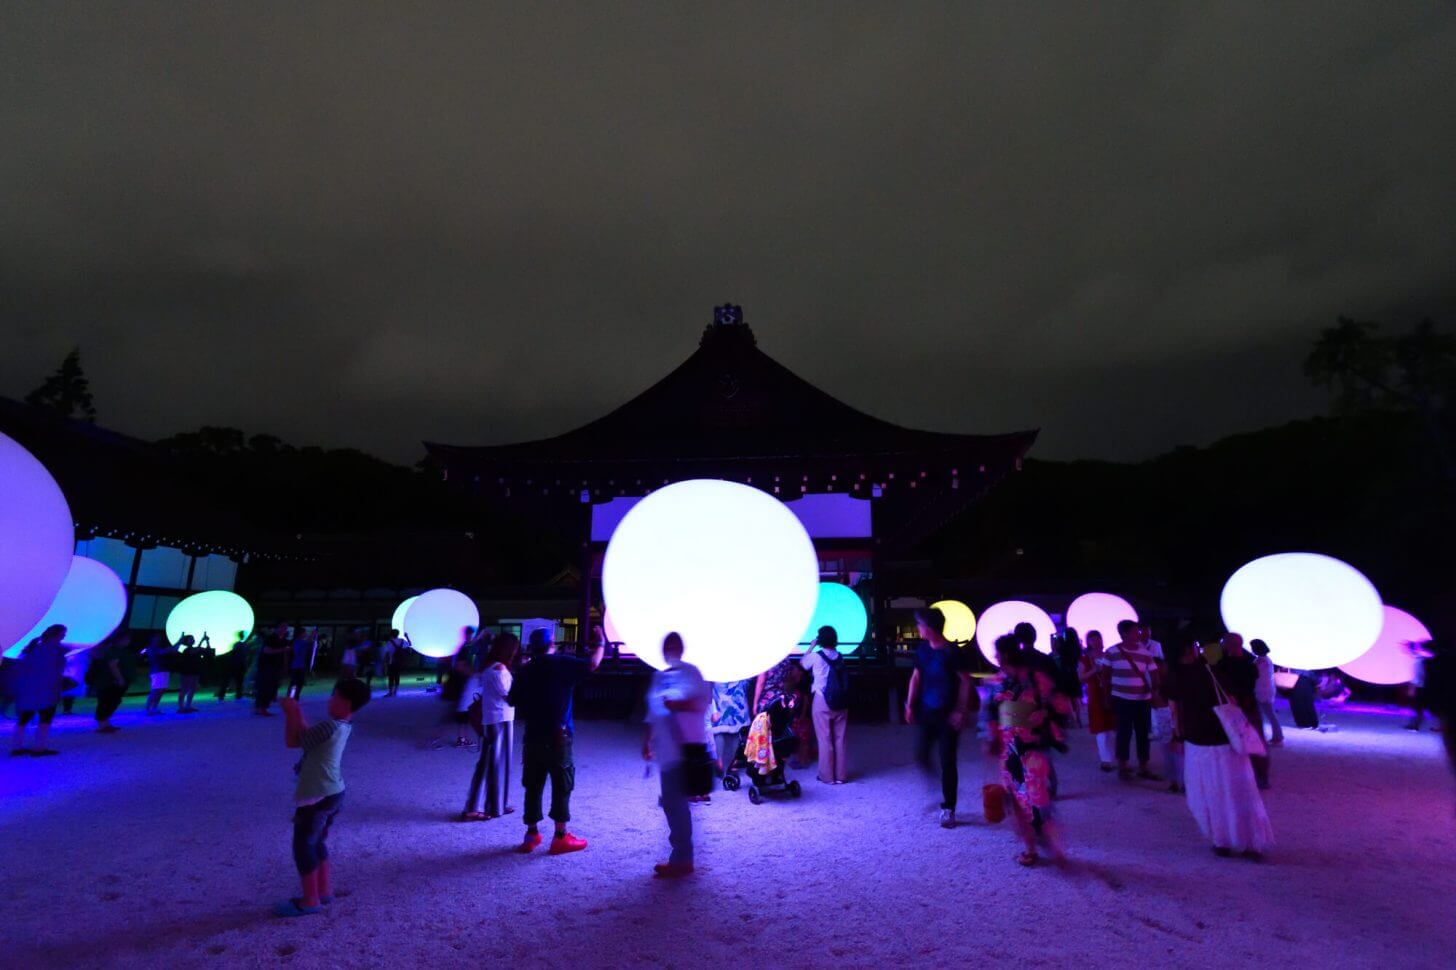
{"x": 217, "y": 613}
{"x": 840, "y": 607}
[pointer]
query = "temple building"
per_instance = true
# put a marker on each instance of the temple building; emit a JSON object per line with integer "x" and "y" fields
{"x": 865, "y": 489}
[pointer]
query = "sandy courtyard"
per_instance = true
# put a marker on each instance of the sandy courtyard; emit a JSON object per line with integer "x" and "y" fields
{"x": 165, "y": 845}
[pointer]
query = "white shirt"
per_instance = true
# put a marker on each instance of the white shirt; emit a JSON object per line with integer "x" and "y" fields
{"x": 495, "y": 686}
{"x": 1264, "y": 686}
{"x": 816, "y": 661}
{"x": 673, "y": 729}
{"x": 1155, "y": 648}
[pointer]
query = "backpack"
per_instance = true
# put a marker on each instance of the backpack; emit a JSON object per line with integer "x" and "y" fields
{"x": 836, "y": 684}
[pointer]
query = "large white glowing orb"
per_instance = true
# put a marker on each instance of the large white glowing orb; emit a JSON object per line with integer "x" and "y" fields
{"x": 1390, "y": 660}
{"x": 1314, "y": 611}
{"x": 727, "y": 566}
{"x": 1002, "y": 618}
{"x": 840, "y": 607}
{"x": 1101, "y": 612}
{"x": 219, "y": 614}
{"x": 960, "y": 622}
{"x": 37, "y": 540}
{"x": 396, "y": 622}
{"x": 91, "y": 604}
{"x": 437, "y": 619}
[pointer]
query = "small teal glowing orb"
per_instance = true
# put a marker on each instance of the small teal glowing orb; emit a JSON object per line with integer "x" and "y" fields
{"x": 839, "y": 607}
{"x": 1313, "y": 611}
{"x": 1101, "y": 612}
{"x": 90, "y": 604}
{"x": 37, "y": 541}
{"x": 1003, "y": 618}
{"x": 397, "y": 621}
{"x": 726, "y": 565}
{"x": 217, "y": 613}
{"x": 435, "y": 622}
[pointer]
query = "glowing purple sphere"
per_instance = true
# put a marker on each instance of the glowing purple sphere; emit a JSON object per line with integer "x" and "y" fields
{"x": 1390, "y": 660}
{"x": 1101, "y": 612}
{"x": 37, "y": 540}
{"x": 1002, "y": 618}
{"x": 91, "y": 604}
{"x": 435, "y": 622}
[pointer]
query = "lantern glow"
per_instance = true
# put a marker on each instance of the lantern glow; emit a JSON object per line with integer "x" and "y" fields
{"x": 91, "y": 604}
{"x": 840, "y": 607}
{"x": 37, "y": 541}
{"x": 1003, "y": 617}
{"x": 1313, "y": 611}
{"x": 218, "y": 614}
{"x": 435, "y": 622}
{"x": 1390, "y": 660}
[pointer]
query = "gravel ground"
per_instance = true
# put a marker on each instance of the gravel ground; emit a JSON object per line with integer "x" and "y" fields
{"x": 166, "y": 844}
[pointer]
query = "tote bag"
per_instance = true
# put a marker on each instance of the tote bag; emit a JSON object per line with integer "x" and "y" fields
{"x": 1243, "y": 737}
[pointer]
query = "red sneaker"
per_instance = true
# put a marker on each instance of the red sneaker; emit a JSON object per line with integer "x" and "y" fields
{"x": 566, "y": 842}
{"x": 532, "y": 840}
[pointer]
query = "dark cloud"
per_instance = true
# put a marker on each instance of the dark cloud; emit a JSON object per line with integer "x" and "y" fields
{"x": 369, "y": 224}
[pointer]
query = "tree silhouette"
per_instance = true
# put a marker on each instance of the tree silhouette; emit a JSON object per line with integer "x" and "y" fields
{"x": 67, "y": 390}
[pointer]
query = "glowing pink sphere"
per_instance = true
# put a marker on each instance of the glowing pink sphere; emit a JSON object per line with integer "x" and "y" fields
{"x": 435, "y": 622}
{"x": 91, "y": 604}
{"x": 1314, "y": 611}
{"x": 37, "y": 540}
{"x": 1389, "y": 660}
{"x": 1002, "y": 618}
{"x": 1101, "y": 612}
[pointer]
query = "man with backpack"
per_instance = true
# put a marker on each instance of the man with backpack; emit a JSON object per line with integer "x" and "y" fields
{"x": 831, "y": 704}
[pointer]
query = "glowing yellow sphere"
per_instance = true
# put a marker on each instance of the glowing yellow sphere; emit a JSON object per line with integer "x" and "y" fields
{"x": 960, "y": 622}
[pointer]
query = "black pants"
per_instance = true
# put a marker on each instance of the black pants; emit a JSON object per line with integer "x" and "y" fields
{"x": 236, "y": 677}
{"x": 1133, "y": 717}
{"x": 44, "y": 716}
{"x": 545, "y": 758}
{"x": 108, "y": 699}
{"x": 311, "y": 824}
{"x": 393, "y": 678}
{"x": 267, "y": 688}
{"x": 936, "y": 732}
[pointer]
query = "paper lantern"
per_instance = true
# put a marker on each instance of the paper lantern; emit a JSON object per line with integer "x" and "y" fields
{"x": 1313, "y": 611}
{"x": 436, "y": 622}
{"x": 960, "y": 622}
{"x": 37, "y": 541}
{"x": 217, "y": 613}
{"x": 91, "y": 604}
{"x": 1101, "y": 612}
{"x": 727, "y": 566}
{"x": 396, "y": 622}
{"x": 840, "y": 607}
{"x": 1389, "y": 660}
{"x": 1002, "y": 618}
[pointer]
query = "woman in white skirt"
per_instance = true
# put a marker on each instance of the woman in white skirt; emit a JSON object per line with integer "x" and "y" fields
{"x": 497, "y": 723}
{"x": 1222, "y": 794}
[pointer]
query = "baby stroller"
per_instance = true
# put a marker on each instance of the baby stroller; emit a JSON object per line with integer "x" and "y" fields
{"x": 770, "y": 781}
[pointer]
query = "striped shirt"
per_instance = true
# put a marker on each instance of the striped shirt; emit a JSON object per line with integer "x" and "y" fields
{"x": 1124, "y": 662}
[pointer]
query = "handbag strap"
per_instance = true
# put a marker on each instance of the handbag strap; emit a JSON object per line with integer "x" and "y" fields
{"x": 1134, "y": 665}
{"x": 1220, "y": 693}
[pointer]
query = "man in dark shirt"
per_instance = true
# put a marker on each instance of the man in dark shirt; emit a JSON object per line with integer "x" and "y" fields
{"x": 272, "y": 660}
{"x": 939, "y": 702}
{"x": 542, "y": 695}
{"x": 233, "y": 667}
{"x": 300, "y": 659}
{"x": 189, "y": 669}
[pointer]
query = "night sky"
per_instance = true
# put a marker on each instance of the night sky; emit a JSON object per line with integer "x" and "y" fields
{"x": 372, "y": 223}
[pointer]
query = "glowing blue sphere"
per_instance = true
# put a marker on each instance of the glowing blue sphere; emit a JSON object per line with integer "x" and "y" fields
{"x": 1313, "y": 611}
{"x": 839, "y": 607}
{"x": 90, "y": 604}
{"x": 37, "y": 540}
{"x": 396, "y": 622}
{"x": 727, "y": 566}
{"x": 217, "y": 613}
{"x": 435, "y": 622}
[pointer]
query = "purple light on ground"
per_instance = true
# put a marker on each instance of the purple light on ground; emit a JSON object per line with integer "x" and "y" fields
{"x": 1101, "y": 612}
{"x": 437, "y": 619}
{"x": 1002, "y": 618}
{"x": 91, "y": 603}
{"x": 1389, "y": 660}
{"x": 37, "y": 540}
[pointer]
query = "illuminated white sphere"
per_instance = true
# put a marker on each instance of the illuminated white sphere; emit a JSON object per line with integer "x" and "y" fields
{"x": 436, "y": 622}
{"x": 37, "y": 540}
{"x": 91, "y": 604}
{"x": 1313, "y": 611}
{"x": 727, "y": 566}
{"x": 960, "y": 622}
{"x": 1101, "y": 612}
{"x": 220, "y": 614}
{"x": 396, "y": 622}
{"x": 1002, "y": 618}
{"x": 1390, "y": 660}
{"x": 840, "y": 607}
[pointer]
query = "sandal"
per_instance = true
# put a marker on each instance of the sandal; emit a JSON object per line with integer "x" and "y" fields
{"x": 1027, "y": 859}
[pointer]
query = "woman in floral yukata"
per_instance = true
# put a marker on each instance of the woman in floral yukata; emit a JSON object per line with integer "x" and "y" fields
{"x": 1028, "y": 718}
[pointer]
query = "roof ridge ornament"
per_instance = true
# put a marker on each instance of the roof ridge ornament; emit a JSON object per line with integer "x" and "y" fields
{"x": 728, "y": 319}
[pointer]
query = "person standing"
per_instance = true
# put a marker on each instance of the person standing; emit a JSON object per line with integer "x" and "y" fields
{"x": 829, "y": 690}
{"x": 190, "y": 661}
{"x": 159, "y": 661}
{"x": 1132, "y": 672}
{"x": 727, "y": 716}
{"x": 396, "y": 652}
{"x": 1264, "y": 691}
{"x": 273, "y": 659}
{"x": 1222, "y": 793}
{"x": 939, "y": 702}
{"x": 542, "y": 693}
{"x": 38, "y": 675}
{"x": 110, "y": 675}
{"x": 349, "y": 663}
{"x": 676, "y": 702}
{"x": 300, "y": 659}
{"x": 497, "y": 734}
{"x": 1101, "y": 721}
{"x": 233, "y": 668}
